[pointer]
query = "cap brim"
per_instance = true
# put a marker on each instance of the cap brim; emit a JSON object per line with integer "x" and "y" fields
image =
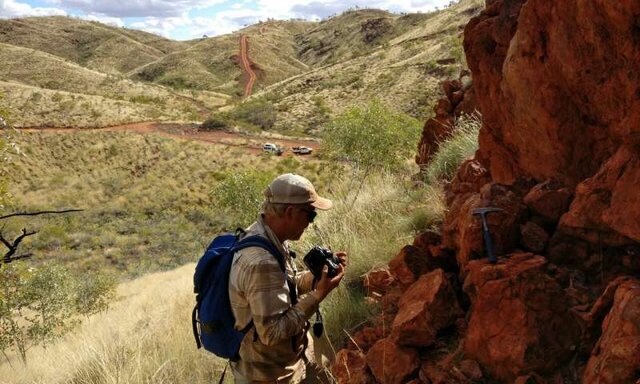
{"x": 322, "y": 203}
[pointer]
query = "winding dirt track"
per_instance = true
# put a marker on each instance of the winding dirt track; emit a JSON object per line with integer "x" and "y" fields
{"x": 246, "y": 65}
{"x": 249, "y": 143}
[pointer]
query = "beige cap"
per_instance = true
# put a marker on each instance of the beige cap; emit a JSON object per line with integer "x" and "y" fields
{"x": 295, "y": 189}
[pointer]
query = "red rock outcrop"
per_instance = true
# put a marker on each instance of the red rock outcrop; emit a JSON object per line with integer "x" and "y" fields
{"x": 520, "y": 320}
{"x": 558, "y": 87}
{"x": 616, "y": 356}
{"x": 427, "y": 306}
{"x": 458, "y": 99}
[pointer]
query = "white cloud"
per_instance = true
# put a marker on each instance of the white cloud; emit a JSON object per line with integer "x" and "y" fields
{"x": 136, "y": 8}
{"x": 168, "y": 17}
{"x": 12, "y": 8}
{"x": 162, "y": 26}
{"x": 113, "y": 21}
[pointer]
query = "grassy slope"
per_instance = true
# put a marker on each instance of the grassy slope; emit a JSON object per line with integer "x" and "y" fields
{"x": 213, "y": 64}
{"x": 153, "y": 212}
{"x": 91, "y": 44}
{"x": 146, "y": 198}
{"x": 309, "y": 71}
{"x": 145, "y": 337}
{"x": 120, "y": 100}
{"x": 403, "y": 68}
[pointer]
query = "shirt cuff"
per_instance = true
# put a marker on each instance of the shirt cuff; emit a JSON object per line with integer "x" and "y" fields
{"x": 309, "y": 304}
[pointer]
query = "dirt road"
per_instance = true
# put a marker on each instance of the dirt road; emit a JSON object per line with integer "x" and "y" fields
{"x": 246, "y": 65}
{"x": 250, "y": 143}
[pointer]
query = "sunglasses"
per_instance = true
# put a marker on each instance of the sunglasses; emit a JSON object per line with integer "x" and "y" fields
{"x": 311, "y": 214}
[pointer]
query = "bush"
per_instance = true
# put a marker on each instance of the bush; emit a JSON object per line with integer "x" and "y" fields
{"x": 37, "y": 305}
{"x": 373, "y": 136}
{"x": 461, "y": 144}
{"x": 214, "y": 123}
{"x": 259, "y": 112}
{"x": 240, "y": 194}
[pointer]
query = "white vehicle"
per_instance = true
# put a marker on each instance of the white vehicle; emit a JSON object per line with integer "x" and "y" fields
{"x": 272, "y": 148}
{"x": 302, "y": 150}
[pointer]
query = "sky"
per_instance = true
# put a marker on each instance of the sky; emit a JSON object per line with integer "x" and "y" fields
{"x": 190, "y": 19}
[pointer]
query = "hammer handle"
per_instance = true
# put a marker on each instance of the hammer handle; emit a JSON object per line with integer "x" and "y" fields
{"x": 488, "y": 244}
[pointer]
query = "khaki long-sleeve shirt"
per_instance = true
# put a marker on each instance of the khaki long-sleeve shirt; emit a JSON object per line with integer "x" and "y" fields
{"x": 272, "y": 349}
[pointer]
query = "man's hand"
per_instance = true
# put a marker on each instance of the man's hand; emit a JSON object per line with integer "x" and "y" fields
{"x": 328, "y": 284}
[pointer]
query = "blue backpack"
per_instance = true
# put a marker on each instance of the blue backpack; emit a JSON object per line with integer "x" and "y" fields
{"x": 212, "y": 318}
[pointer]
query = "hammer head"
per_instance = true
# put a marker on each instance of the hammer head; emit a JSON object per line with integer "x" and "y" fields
{"x": 486, "y": 210}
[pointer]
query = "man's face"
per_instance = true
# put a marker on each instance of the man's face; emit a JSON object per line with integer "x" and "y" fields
{"x": 300, "y": 218}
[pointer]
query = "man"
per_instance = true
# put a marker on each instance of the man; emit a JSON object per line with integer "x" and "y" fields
{"x": 273, "y": 350}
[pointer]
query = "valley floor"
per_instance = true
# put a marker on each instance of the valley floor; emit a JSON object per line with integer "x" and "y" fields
{"x": 251, "y": 143}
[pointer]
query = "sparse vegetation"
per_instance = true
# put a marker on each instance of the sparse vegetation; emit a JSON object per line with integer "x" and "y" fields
{"x": 371, "y": 137}
{"x": 130, "y": 76}
{"x": 171, "y": 225}
{"x": 462, "y": 143}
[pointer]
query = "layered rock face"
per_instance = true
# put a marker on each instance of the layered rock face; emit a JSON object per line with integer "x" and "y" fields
{"x": 558, "y": 87}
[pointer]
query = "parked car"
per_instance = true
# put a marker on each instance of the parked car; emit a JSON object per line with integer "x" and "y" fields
{"x": 302, "y": 150}
{"x": 273, "y": 148}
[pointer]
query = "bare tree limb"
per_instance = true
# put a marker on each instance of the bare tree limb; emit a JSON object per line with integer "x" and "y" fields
{"x": 9, "y": 256}
{"x": 39, "y": 213}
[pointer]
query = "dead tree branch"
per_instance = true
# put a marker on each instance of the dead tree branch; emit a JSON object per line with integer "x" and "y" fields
{"x": 11, "y": 256}
{"x": 13, "y": 247}
{"x": 39, "y": 213}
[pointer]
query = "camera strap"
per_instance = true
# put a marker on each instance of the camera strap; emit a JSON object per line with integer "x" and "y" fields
{"x": 318, "y": 326}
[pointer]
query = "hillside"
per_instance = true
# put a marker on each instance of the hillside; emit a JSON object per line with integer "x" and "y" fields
{"x": 90, "y": 44}
{"x": 213, "y": 64}
{"x": 402, "y": 68}
{"x": 66, "y": 72}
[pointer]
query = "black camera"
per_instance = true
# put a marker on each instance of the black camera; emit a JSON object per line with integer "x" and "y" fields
{"x": 317, "y": 258}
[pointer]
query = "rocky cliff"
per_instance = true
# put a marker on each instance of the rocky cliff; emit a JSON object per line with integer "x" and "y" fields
{"x": 558, "y": 87}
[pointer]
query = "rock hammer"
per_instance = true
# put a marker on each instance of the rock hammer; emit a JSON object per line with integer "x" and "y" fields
{"x": 488, "y": 243}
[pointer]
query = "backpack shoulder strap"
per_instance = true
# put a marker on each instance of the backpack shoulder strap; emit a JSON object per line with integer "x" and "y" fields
{"x": 261, "y": 242}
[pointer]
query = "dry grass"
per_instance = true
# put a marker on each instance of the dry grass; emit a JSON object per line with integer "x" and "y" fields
{"x": 309, "y": 71}
{"x": 43, "y": 89}
{"x": 154, "y": 212}
{"x": 97, "y": 46}
{"x": 145, "y": 337}
{"x": 403, "y": 71}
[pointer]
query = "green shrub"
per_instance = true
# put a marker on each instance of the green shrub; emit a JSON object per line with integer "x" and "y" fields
{"x": 372, "y": 136}
{"x": 258, "y": 112}
{"x": 452, "y": 151}
{"x": 240, "y": 194}
{"x": 216, "y": 122}
{"x": 40, "y": 304}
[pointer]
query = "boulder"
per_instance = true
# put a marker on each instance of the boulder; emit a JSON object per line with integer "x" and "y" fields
{"x": 350, "y": 367}
{"x": 616, "y": 356}
{"x": 534, "y": 237}
{"x": 607, "y": 206}
{"x": 377, "y": 282}
{"x": 463, "y": 230}
{"x": 549, "y": 200}
{"x": 363, "y": 339}
{"x": 391, "y": 363}
{"x": 520, "y": 320}
{"x": 409, "y": 264}
{"x": 428, "y": 306}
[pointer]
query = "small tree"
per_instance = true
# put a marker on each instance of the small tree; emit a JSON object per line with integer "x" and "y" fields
{"x": 259, "y": 112}
{"x": 39, "y": 304}
{"x": 371, "y": 137}
{"x": 240, "y": 194}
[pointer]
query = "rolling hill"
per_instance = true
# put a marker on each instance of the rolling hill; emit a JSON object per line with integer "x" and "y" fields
{"x": 67, "y": 72}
